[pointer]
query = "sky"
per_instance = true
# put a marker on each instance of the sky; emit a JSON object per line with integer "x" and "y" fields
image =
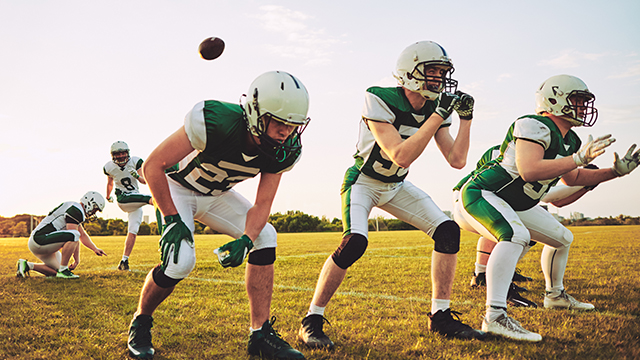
{"x": 76, "y": 76}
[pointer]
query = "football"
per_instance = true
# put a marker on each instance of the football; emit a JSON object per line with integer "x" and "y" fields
{"x": 211, "y": 48}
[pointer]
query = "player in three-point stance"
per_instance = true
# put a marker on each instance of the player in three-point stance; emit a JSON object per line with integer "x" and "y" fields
{"x": 191, "y": 175}
{"x": 123, "y": 172}
{"x": 55, "y": 240}
{"x": 499, "y": 200}
{"x": 396, "y": 126}
{"x": 559, "y": 195}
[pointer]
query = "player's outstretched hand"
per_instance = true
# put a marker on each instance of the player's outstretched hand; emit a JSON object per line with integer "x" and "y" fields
{"x": 628, "y": 163}
{"x": 592, "y": 149}
{"x": 99, "y": 252}
{"x": 173, "y": 232}
{"x": 464, "y": 107}
{"x": 446, "y": 104}
{"x": 232, "y": 254}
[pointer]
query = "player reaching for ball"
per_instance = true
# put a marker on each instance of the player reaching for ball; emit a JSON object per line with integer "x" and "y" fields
{"x": 499, "y": 200}
{"x": 191, "y": 175}
{"x": 396, "y": 126}
{"x": 55, "y": 240}
{"x": 124, "y": 172}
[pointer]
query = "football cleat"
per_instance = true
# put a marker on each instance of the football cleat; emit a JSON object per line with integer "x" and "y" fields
{"x": 565, "y": 301}
{"x": 478, "y": 280}
{"x": 266, "y": 342}
{"x": 311, "y": 332}
{"x": 443, "y": 323}
{"x": 66, "y": 274}
{"x": 139, "y": 344}
{"x": 515, "y": 299}
{"x": 508, "y": 327}
{"x": 518, "y": 277}
{"x": 23, "y": 268}
{"x": 124, "y": 265}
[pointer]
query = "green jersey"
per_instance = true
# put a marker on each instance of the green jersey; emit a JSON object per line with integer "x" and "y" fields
{"x": 388, "y": 105}
{"x": 490, "y": 154}
{"x": 218, "y": 133}
{"x": 501, "y": 175}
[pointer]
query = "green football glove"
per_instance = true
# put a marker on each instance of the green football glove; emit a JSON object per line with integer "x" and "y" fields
{"x": 135, "y": 174}
{"x": 232, "y": 254}
{"x": 628, "y": 163}
{"x": 592, "y": 149}
{"x": 464, "y": 107}
{"x": 173, "y": 232}
{"x": 447, "y": 102}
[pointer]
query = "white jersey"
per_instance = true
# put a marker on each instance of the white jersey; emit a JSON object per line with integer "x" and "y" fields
{"x": 69, "y": 212}
{"x": 121, "y": 175}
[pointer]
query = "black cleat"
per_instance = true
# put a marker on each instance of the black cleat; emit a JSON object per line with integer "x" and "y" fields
{"x": 515, "y": 299}
{"x": 140, "y": 346}
{"x": 443, "y": 323}
{"x": 478, "y": 280}
{"x": 124, "y": 265}
{"x": 266, "y": 342}
{"x": 518, "y": 277}
{"x": 311, "y": 332}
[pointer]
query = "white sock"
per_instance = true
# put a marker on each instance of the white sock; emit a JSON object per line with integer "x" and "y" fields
{"x": 253, "y": 330}
{"x": 125, "y": 258}
{"x": 480, "y": 269}
{"x": 439, "y": 304}
{"x": 494, "y": 313}
{"x": 63, "y": 268}
{"x": 500, "y": 268}
{"x": 30, "y": 265}
{"x": 315, "y": 310}
{"x": 554, "y": 265}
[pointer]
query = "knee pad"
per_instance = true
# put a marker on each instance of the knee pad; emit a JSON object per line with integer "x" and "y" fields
{"x": 266, "y": 256}
{"x": 447, "y": 238}
{"x": 163, "y": 280}
{"x": 350, "y": 250}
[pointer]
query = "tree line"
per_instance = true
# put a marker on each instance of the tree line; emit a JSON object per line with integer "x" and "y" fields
{"x": 289, "y": 222}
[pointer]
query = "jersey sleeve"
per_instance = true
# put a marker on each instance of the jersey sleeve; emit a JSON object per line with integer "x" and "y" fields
{"x": 137, "y": 162}
{"x": 532, "y": 130}
{"x": 195, "y": 127}
{"x": 74, "y": 215}
{"x": 375, "y": 109}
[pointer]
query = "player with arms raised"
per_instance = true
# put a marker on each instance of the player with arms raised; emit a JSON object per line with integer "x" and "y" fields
{"x": 56, "y": 238}
{"x": 499, "y": 201}
{"x": 396, "y": 126}
{"x": 220, "y": 145}
{"x": 123, "y": 171}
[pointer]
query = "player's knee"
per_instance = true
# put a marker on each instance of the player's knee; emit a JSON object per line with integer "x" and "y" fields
{"x": 266, "y": 256}
{"x": 267, "y": 237}
{"x": 350, "y": 250}
{"x": 182, "y": 269}
{"x": 447, "y": 238}
{"x": 161, "y": 279}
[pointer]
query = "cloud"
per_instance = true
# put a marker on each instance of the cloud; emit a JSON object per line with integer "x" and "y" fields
{"x": 632, "y": 71}
{"x": 301, "y": 42}
{"x": 502, "y": 77}
{"x": 571, "y": 59}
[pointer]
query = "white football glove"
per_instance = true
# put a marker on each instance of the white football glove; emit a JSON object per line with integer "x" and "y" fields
{"x": 592, "y": 149}
{"x": 628, "y": 163}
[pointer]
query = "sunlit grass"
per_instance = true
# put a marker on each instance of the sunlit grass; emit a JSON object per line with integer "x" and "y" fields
{"x": 379, "y": 312}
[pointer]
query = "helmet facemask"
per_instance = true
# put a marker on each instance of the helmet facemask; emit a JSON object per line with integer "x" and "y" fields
{"x": 120, "y": 158}
{"x": 92, "y": 202}
{"x": 426, "y": 85}
{"x": 580, "y": 108}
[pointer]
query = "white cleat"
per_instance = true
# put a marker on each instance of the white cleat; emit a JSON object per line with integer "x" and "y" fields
{"x": 510, "y": 328}
{"x": 23, "y": 268}
{"x": 565, "y": 301}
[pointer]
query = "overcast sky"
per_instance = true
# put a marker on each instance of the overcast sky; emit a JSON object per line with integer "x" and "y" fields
{"x": 75, "y": 76}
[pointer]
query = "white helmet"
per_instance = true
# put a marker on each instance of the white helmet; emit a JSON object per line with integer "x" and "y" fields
{"x": 120, "y": 153}
{"x": 410, "y": 69}
{"x": 283, "y": 97}
{"x": 92, "y": 202}
{"x": 554, "y": 97}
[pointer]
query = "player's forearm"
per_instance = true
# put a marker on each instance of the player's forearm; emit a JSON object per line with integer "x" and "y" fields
{"x": 590, "y": 177}
{"x": 257, "y": 218}
{"x": 407, "y": 151}
{"x": 159, "y": 186}
{"x": 457, "y": 157}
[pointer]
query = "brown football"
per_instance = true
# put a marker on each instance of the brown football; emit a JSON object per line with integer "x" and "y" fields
{"x": 211, "y": 48}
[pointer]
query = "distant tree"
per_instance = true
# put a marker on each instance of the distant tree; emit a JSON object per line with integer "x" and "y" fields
{"x": 116, "y": 227}
{"x": 145, "y": 229}
{"x": 20, "y": 230}
{"x": 92, "y": 229}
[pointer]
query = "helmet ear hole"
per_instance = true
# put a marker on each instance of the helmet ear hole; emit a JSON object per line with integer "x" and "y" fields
{"x": 552, "y": 101}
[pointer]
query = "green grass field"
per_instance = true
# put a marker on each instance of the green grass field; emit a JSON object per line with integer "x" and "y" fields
{"x": 380, "y": 311}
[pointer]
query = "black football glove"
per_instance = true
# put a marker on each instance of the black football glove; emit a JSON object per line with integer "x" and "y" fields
{"x": 464, "y": 107}
{"x": 446, "y": 104}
